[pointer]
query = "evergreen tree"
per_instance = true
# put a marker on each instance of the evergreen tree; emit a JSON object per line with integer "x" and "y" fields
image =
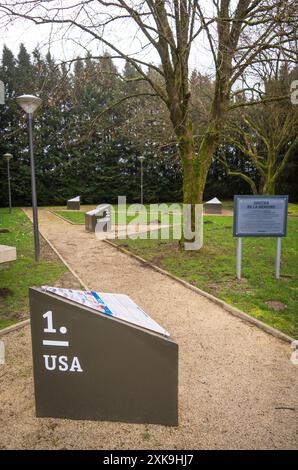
{"x": 87, "y": 144}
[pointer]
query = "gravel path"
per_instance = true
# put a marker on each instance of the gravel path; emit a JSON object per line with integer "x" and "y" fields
{"x": 237, "y": 387}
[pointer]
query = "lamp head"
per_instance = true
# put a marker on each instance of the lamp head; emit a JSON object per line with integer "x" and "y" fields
{"x": 29, "y": 103}
{"x": 7, "y": 156}
{"x": 141, "y": 159}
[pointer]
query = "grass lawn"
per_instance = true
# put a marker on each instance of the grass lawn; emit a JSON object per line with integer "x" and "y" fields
{"x": 213, "y": 270}
{"x": 17, "y": 276}
{"x": 76, "y": 217}
{"x": 293, "y": 210}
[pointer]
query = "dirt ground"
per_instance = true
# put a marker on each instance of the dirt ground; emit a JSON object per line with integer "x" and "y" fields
{"x": 237, "y": 387}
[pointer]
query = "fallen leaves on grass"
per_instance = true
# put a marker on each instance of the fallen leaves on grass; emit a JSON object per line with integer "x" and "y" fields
{"x": 275, "y": 305}
{"x": 5, "y": 292}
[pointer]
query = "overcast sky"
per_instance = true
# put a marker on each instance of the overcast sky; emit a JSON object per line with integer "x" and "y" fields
{"x": 32, "y": 35}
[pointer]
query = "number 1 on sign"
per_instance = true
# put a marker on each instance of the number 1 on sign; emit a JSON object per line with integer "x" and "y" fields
{"x": 49, "y": 317}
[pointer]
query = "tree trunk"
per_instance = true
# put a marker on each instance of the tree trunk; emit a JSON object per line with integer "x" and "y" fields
{"x": 196, "y": 164}
{"x": 195, "y": 170}
{"x": 186, "y": 146}
{"x": 270, "y": 179}
{"x": 204, "y": 159}
{"x": 269, "y": 187}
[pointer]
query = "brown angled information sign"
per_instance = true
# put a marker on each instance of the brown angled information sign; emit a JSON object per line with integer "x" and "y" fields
{"x": 98, "y": 356}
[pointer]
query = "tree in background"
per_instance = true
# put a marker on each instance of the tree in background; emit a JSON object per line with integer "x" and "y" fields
{"x": 12, "y": 138}
{"x": 267, "y": 134}
{"x": 78, "y": 150}
{"x": 240, "y": 34}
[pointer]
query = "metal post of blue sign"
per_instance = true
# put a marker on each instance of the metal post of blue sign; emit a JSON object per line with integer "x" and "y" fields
{"x": 278, "y": 257}
{"x": 239, "y": 257}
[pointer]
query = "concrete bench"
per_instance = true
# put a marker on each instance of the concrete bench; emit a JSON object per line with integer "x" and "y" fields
{"x": 214, "y": 206}
{"x": 7, "y": 253}
{"x": 99, "y": 218}
{"x": 73, "y": 204}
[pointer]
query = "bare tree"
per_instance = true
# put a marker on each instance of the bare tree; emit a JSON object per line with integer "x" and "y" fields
{"x": 268, "y": 133}
{"x": 239, "y": 35}
{"x": 269, "y": 140}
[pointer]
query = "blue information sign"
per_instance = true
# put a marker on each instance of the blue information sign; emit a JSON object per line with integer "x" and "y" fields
{"x": 260, "y": 216}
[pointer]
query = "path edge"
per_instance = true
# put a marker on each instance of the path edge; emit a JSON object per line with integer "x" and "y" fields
{"x": 22, "y": 324}
{"x": 228, "y": 308}
{"x": 64, "y": 218}
{"x": 58, "y": 254}
{"x": 15, "y": 327}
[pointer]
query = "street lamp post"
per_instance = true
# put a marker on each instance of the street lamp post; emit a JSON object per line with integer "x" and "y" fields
{"x": 141, "y": 159}
{"x": 30, "y": 104}
{"x": 8, "y": 157}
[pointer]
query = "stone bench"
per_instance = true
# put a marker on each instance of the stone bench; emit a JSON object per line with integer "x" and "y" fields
{"x": 214, "y": 206}
{"x": 73, "y": 204}
{"x": 100, "y": 218}
{"x": 7, "y": 253}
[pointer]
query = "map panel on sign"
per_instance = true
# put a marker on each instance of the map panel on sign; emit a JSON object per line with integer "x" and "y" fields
{"x": 115, "y": 305}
